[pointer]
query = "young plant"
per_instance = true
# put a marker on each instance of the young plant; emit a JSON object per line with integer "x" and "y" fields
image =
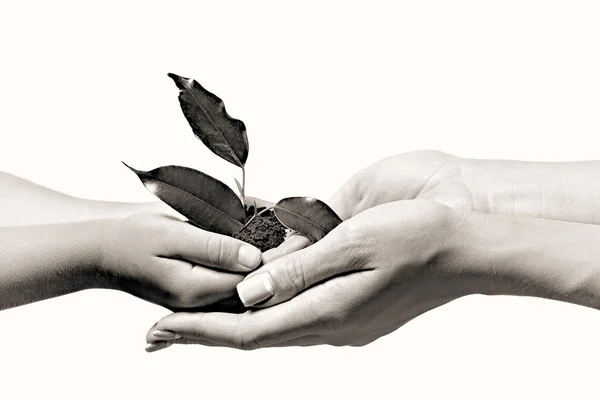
{"x": 212, "y": 205}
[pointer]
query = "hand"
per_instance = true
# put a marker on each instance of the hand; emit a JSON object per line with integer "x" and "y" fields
{"x": 172, "y": 263}
{"x": 562, "y": 191}
{"x": 427, "y": 174}
{"x": 379, "y": 270}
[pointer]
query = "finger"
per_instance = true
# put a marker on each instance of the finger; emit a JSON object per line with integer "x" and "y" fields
{"x": 290, "y": 275}
{"x": 293, "y": 243}
{"x": 156, "y": 346}
{"x": 248, "y": 331}
{"x": 321, "y": 315}
{"x": 309, "y": 340}
{"x": 211, "y": 249}
{"x": 197, "y": 286}
{"x": 305, "y": 341}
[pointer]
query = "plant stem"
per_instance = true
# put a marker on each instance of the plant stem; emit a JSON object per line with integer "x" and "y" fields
{"x": 254, "y": 216}
{"x": 244, "y": 187}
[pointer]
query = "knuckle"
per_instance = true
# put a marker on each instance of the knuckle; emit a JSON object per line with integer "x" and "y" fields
{"x": 244, "y": 339}
{"x": 441, "y": 215}
{"x": 215, "y": 249}
{"x": 247, "y": 342}
{"x": 338, "y": 319}
{"x": 354, "y": 233}
{"x": 186, "y": 300}
{"x": 357, "y": 240}
{"x": 332, "y": 320}
{"x": 295, "y": 276}
{"x": 181, "y": 294}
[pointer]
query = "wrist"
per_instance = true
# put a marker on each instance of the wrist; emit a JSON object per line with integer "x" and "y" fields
{"x": 111, "y": 209}
{"x": 44, "y": 261}
{"x": 531, "y": 257}
{"x": 91, "y": 246}
{"x": 550, "y": 190}
{"x": 104, "y": 269}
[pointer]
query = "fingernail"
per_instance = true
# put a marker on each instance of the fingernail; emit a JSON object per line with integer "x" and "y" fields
{"x": 156, "y": 346}
{"x": 249, "y": 256}
{"x": 255, "y": 289}
{"x": 166, "y": 335}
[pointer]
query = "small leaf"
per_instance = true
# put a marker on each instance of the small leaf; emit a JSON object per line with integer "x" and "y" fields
{"x": 307, "y": 215}
{"x": 205, "y": 112}
{"x": 204, "y": 200}
{"x": 239, "y": 186}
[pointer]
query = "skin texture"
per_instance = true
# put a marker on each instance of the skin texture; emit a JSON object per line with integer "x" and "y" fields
{"x": 563, "y": 191}
{"x": 176, "y": 264}
{"x": 394, "y": 262}
{"x": 65, "y": 244}
{"x": 355, "y": 274}
{"x": 48, "y": 206}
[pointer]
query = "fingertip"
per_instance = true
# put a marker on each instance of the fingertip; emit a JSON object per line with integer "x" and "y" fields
{"x": 256, "y": 289}
{"x": 293, "y": 243}
{"x": 156, "y": 346}
{"x": 149, "y": 335}
{"x": 271, "y": 255}
{"x": 249, "y": 257}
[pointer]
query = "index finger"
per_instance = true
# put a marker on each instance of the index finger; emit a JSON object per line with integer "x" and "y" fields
{"x": 210, "y": 249}
{"x": 251, "y": 330}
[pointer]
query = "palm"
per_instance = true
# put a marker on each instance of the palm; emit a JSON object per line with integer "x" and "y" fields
{"x": 430, "y": 175}
{"x": 417, "y": 175}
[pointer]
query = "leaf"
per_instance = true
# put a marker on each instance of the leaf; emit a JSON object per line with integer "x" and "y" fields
{"x": 206, "y": 114}
{"x": 239, "y": 186}
{"x": 204, "y": 200}
{"x": 307, "y": 215}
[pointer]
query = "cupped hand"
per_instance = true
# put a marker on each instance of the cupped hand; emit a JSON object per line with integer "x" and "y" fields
{"x": 424, "y": 174}
{"x": 170, "y": 262}
{"x": 369, "y": 276}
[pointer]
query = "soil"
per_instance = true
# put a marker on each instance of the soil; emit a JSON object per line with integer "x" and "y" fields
{"x": 264, "y": 231}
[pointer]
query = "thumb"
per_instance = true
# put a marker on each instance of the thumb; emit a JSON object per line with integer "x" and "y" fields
{"x": 343, "y": 202}
{"x": 292, "y": 274}
{"x": 346, "y": 199}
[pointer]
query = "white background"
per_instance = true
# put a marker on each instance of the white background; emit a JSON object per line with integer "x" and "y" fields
{"x": 325, "y": 88}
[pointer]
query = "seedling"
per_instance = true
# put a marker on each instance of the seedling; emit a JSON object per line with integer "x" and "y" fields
{"x": 212, "y": 205}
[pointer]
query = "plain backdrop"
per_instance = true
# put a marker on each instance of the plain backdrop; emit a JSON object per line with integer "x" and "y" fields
{"x": 325, "y": 88}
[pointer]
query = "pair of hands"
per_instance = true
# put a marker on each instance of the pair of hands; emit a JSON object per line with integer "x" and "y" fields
{"x": 160, "y": 258}
{"x": 370, "y": 272}
{"x": 399, "y": 253}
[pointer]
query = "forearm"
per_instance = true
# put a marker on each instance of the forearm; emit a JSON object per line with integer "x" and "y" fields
{"x": 44, "y": 261}
{"x": 566, "y": 191}
{"x": 530, "y": 257}
{"x": 25, "y": 203}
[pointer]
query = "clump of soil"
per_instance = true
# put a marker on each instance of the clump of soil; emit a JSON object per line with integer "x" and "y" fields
{"x": 264, "y": 231}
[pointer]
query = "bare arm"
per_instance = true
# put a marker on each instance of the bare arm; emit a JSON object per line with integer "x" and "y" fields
{"x": 530, "y": 257}
{"x": 23, "y": 202}
{"x": 392, "y": 263}
{"x": 149, "y": 255}
{"x": 42, "y": 261}
{"x": 565, "y": 191}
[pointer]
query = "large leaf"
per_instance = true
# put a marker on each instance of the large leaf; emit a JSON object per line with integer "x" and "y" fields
{"x": 307, "y": 215}
{"x": 204, "y": 200}
{"x": 205, "y": 112}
